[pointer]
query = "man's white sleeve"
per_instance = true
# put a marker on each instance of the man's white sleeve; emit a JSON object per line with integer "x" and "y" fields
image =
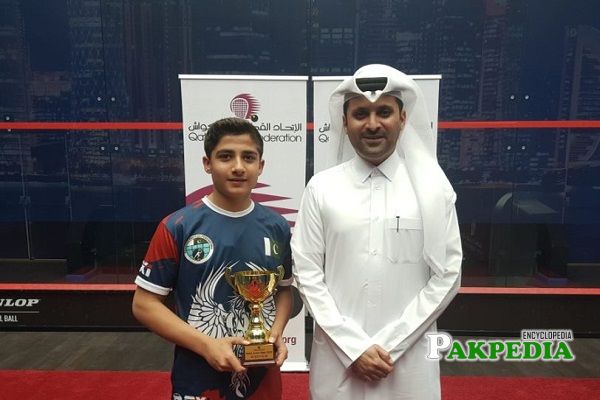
{"x": 400, "y": 334}
{"x": 308, "y": 251}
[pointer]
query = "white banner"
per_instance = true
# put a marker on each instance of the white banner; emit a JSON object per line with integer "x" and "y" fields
{"x": 326, "y": 142}
{"x": 276, "y": 105}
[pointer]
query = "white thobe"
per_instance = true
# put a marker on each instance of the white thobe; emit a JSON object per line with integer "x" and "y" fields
{"x": 359, "y": 265}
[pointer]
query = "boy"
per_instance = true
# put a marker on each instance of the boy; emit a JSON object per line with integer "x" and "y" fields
{"x": 189, "y": 253}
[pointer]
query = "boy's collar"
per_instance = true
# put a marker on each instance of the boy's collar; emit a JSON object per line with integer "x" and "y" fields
{"x": 222, "y": 211}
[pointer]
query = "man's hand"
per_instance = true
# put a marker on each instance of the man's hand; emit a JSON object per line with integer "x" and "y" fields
{"x": 281, "y": 351}
{"x": 372, "y": 365}
{"x": 219, "y": 354}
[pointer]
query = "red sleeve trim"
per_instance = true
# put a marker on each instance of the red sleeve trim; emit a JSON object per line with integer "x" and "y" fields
{"x": 162, "y": 246}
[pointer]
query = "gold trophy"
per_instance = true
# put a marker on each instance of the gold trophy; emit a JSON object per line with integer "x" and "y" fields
{"x": 255, "y": 287}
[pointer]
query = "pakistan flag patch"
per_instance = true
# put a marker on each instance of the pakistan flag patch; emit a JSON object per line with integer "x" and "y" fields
{"x": 273, "y": 248}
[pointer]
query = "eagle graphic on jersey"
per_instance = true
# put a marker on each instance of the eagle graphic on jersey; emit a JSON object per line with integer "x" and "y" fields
{"x": 229, "y": 318}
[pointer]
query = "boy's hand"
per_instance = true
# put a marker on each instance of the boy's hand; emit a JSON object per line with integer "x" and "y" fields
{"x": 281, "y": 351}
{"x": 219, "y": 354}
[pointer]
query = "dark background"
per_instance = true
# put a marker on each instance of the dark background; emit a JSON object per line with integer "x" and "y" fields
{"x": 81, "y": 206}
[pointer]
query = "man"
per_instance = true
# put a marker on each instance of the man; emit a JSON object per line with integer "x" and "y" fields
{"x": 189, "y": 253}
{"x": 376, "y": 245}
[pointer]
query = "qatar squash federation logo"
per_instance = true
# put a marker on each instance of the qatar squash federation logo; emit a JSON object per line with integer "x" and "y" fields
{"x": 245, "y": 106}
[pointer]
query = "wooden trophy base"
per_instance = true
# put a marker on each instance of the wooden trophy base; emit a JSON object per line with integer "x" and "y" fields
{"x": 258, "y": 354}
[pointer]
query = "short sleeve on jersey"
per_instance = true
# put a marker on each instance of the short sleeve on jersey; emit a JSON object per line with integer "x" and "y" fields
{"x": 158, "y": 273}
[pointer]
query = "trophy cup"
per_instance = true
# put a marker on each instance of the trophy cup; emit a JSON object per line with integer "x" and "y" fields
{"x": 255, "y": 287}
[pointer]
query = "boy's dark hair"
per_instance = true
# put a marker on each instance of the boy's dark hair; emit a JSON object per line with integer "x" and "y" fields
{"x": 231, "y": 126}
{"x": 400, "y": 105}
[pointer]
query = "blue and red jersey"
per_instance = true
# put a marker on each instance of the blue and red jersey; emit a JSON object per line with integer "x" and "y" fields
{"x": 188, "y": 254}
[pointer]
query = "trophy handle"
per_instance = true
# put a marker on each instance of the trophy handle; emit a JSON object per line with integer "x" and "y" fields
{"x": 229, "y": 277}
{"x": 280, "y": 272}
{"x": 278, "y": 278}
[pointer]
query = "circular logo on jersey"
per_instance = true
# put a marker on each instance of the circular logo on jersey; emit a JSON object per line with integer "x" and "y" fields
{"x": 198, "y": 249}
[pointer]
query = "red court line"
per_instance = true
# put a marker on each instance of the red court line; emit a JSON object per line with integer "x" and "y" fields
{"x": 177, "y": 126}
{"x": 131, "y": 287}
{"x": 530, "y": 291}
{"x": 516, "y": 124}
{"x": 84, "y": 287}
{"x": 92, "y": 126}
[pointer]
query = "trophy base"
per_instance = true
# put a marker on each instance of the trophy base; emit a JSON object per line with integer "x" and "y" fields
{"x": 258, "y": 354}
